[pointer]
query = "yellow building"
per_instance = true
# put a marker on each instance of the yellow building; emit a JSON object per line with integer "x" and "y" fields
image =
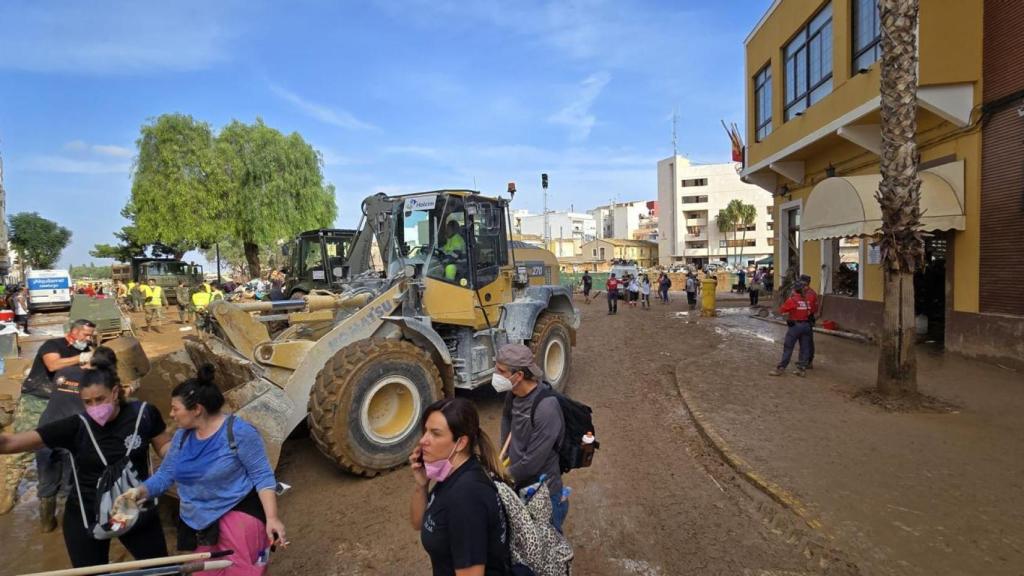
{"x": 813, "y": 127}
{"x": 643, "y": 252}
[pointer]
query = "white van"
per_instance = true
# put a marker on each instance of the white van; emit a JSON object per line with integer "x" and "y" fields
{"x": 48, "y": 289}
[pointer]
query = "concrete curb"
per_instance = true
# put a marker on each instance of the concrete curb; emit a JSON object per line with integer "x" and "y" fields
{"x": 745, "y": 470}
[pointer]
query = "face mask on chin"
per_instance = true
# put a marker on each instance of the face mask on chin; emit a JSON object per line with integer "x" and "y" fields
{"x": 440, "y": 470}
{"x": 80, "y": 344}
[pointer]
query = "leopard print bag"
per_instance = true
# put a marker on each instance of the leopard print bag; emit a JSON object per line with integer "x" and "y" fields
{"x": 534, "y": 541}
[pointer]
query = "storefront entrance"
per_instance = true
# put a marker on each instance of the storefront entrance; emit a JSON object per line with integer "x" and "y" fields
{"x": 930, "y": 288}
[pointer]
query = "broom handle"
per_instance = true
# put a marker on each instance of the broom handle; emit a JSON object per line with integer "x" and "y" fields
{"x": 133, "y": 565}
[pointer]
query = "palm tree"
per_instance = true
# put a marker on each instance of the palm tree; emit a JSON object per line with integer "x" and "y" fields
{"x": 745, "y": 215}
{"x": 726, "y": 221}
{"x": 899, "y": 194}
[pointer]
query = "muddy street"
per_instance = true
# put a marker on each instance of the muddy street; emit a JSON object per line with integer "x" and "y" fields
{"x": 648, "y": 505}
{"x": 654, "y": 503}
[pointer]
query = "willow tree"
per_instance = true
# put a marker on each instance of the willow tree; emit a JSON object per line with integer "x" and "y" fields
{"x": 177, "y": 186}
{"x": 901, "y": 243}
{"x": 275, "y": 187}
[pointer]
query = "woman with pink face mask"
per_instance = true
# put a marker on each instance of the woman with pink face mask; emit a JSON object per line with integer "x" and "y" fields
{"x": 116, "y": 429}
{"x": 461, "y": 522}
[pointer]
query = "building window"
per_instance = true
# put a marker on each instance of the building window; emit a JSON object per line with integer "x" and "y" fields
{"x": 751, "y": 228}
{"x": 691, "y": 182}
{"x": 722, "y": 244}
{"x": 763, "y": 102}
{"x": 808, "y": 58}
{"x": 771, "y": 241}
{"x": 694, "y": 199}
{"x": 771, "y": 225}
{"x": 867, "y": 34}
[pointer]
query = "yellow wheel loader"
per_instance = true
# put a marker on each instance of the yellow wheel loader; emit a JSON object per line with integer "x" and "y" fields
{"x": 362, "y": 363}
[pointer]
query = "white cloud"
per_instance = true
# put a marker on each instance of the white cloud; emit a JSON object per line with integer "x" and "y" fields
{"x": 64, "y": 165}
{"x": 113, "y": 150}
{"x": 113, "y": 37}
{"x": 320, "y": 112}
{"x": 577, "y": 115}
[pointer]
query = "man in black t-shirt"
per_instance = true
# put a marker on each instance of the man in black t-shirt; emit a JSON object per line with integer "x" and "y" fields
{"x": 55, "y": 354}
{"x": 588, "y": 283}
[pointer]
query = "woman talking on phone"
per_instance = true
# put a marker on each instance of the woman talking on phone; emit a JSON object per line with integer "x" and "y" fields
{"x": 461, "y": 522}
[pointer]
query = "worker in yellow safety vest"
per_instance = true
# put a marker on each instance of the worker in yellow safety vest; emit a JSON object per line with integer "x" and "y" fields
{"x": 204, "y": 295}
{"x": 153, "y": 297}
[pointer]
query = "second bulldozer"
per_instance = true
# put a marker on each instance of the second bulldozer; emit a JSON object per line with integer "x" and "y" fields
{"x": 361, "y": 363}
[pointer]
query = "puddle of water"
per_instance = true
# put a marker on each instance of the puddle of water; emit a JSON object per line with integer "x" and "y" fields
{"x": 744, "y": 332}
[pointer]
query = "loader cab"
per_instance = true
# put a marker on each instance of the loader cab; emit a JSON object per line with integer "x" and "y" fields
{"x": 458, "y": 243}
{"x": 318, "y": 260}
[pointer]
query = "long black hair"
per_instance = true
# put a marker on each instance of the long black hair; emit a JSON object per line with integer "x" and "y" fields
{"x": 200, "y": 391}
{"x": 464, "y": 420}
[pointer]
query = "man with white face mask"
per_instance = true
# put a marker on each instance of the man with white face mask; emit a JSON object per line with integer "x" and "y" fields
{"x": 72, "y": 349}
{"x": 530, "y": 434}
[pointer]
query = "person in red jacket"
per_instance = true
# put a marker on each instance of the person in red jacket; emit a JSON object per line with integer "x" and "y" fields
{"x": 798, "y": 308}
{"x": 812, "y": 298}
{"x": 612, "y": 286}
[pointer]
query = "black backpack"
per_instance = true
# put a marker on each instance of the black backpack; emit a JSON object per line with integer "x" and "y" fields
{"x": 577, "y": 419}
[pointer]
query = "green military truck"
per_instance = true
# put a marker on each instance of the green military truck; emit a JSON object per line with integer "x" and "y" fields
{"x": 166, "y": 271}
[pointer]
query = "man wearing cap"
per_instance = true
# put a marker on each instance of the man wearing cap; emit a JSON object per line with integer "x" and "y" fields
{"x": 799, "y": 311}
{"x": 812, "y": 299}
{"x": 530, "y": 434}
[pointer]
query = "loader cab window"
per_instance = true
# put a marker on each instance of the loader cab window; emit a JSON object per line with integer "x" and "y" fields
{"x": 450, "y": 259}
{"x": 490, "y": 249}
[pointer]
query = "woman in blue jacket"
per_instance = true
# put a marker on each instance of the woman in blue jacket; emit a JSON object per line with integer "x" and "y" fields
{"x": 225, "y": 484}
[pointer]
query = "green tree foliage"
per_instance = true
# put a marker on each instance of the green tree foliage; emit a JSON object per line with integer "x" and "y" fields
{"x": 89, "y": 270}
{"x": 39, "y": 241}
{"x": 233, "y": 261}
{"x": 725, "y": 220}
{"x": 743, "y": 216}
{"x": 130, "y": 246}
{"x": 276, "y": 187}
{"x": 178, "y": 186}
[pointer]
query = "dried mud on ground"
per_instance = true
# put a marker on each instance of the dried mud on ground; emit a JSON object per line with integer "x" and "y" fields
{"x": 656, "y": 501}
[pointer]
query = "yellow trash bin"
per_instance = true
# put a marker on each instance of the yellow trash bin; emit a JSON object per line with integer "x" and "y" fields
{"x": 708, "y": 287}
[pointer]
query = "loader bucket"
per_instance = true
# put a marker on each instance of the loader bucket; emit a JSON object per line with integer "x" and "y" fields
{"x": 246, "y": 392}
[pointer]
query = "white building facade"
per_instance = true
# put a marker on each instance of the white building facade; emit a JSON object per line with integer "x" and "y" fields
{"x": 621, "y": 220}
{"x": 561, "y": 226}
{"x": 689, "y": 198}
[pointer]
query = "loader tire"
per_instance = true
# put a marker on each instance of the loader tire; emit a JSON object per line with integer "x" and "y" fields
{"x": 366, "y": 403}
{"x": 552, "y": 348}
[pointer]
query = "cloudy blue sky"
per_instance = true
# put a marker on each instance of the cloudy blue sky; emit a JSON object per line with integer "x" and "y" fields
{"x": 397, "y": 95}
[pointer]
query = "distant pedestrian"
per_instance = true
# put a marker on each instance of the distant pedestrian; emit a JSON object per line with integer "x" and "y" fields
{"x": 692, "y": 284}
{"x": 135, "y": 296}
{"x": 21, "y": 311}
{"x": 183, "y": 298}
{"x": 153, "y": 296}
{"x": 645, "y": 292}
{"x": 461, "y": 522}
{"x": 612, "y": 286}
{"x": 587, "y": 283}
{"x": 664, "y": 283}
{"x": 634, "y": 291}
{"x": 798, "y": 310}
{"x": 756, "y": 285}
{"x": 741, "y": 280}
{"x": 812, "y": 298}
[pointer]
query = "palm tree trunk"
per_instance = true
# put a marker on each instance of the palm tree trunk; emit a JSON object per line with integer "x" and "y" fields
{"x": 902, "y": 247}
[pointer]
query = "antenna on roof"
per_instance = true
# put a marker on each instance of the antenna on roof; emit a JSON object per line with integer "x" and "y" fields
{"x": 675, "y": 119}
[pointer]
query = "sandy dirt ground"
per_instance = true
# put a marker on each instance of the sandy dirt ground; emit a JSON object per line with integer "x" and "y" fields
{"x": 654, "y": 503}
